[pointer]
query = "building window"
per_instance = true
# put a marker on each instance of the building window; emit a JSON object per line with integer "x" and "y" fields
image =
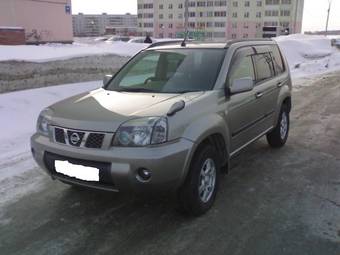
{"x": 192, "y": 4}
{"x": 246, "y": 14}
{"x": 245, "y": 25}
{"x": 192, "y": 24}
{"x": 201, "y": 4}
{"x": 235, "y": 4}
{"x": 219, "y": 24}
{"x": 258, "y": 14}
{"x": 210, "y": 14}
{"x": 210, "y": 3}
{"x": 234, "y": 15}
{"x": 148, "y": 24}
{"x": 192, "y": 14}
{"x": 272, "y": 2}
{"x": 171, "y": 16}
{"x": 220, "y": 14}
{"x": 233, "y": 36}
{"x": 161, "y": 7}
{"x": 220, "y": 3}
{"x": 286, "y": 1}
{"x": 180, "y": 16}
{"x": 209, "y": 24}
{"x": 170, "y": 25}
{"x": 245, "y": 35}
{"x": 285, "y": 13}
{"x": 259, "y": 3}
{"x": 234, "y": 25}
{"x": 271, "y": 13}
{"x": 246, "y": 3}
{"x": 180, "y": 6}
{"x": 170, "y": 6}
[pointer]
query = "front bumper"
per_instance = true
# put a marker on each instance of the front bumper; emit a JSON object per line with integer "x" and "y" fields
{"x": 168, "y": 163}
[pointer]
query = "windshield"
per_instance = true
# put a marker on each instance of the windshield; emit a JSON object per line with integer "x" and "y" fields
{"x": 170, "y": 71}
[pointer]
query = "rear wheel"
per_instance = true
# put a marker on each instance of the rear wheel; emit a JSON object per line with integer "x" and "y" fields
{"x": 279, "y": 135}
{"x": 198, "y": 192}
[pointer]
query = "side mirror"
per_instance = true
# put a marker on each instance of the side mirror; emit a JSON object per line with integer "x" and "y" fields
{"x": 241, "y": 85}
{"x": 107, "y": 78}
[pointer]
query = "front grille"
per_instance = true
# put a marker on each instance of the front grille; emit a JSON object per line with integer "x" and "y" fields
{"x": 59, "y": 135}
{"x": 77, "y": 138}
{"x": 94, "y": 140}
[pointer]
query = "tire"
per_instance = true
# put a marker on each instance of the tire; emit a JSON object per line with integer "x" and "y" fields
{"x": 277, "y": 138}
{"x": 191, "y": 201}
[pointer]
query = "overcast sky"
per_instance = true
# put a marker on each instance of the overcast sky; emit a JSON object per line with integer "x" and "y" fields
{"x": 314, "y": 18}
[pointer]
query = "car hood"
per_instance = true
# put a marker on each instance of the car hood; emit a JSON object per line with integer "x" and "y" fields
{"x": 102, "y": 110}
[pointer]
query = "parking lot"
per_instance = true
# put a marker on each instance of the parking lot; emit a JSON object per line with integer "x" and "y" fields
{"x": 273, "y": 202}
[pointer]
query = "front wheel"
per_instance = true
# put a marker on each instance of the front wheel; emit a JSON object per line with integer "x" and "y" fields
{"x": 279, "y": 135}
{"x": 198, "y": 192}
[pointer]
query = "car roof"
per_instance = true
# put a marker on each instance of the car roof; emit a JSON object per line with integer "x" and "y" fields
{"x": 205, "y": 45}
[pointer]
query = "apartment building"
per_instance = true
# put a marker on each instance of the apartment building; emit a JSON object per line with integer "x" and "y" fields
{"x": 218, "y": 20}
{"x": 97, "y": 25}
{"x": 42, "y": 21}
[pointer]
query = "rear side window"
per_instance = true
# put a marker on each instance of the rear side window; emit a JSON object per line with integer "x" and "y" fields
{"x": 263, "y": 66}
{"x": 277, "y": 60}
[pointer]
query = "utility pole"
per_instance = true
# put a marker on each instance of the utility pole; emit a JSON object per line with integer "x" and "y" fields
{"x": 328, "y": 12}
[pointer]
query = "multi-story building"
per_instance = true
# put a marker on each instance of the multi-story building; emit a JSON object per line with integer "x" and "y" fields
{"x": 219, "y": 19}
{"x": 97, "y": 25}
{"x": 42, "y": 21}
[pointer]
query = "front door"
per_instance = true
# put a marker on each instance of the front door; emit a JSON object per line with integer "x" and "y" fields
{"x": 242, "y": 114}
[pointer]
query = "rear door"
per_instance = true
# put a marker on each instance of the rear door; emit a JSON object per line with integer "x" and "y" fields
{"x": 266, "y": 86}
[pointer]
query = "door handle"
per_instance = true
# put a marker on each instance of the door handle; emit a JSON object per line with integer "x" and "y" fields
{"x": 280, "y": 84}
{"x": 259, "y": 95}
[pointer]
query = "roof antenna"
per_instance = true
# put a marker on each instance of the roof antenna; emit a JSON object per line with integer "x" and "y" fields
{"x": 183, "y": 44}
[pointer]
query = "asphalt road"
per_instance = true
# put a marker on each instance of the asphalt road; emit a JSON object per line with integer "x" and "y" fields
{"x": 274, "y": 201}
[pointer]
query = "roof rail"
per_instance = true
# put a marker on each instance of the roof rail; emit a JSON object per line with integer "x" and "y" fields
{"x": 172, "y": 42}
{"x": 231, "y": 42}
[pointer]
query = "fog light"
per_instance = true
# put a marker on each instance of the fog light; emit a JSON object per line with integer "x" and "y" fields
{"x": 143, "y": 174}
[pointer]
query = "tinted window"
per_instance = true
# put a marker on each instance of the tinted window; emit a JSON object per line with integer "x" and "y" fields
{"x": 241, "y": 66}
{"x": 263, "y": 66}
{"x": 277, "y": 60}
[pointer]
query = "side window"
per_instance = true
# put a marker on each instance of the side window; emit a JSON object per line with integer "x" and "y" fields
{"x": 263, "y": 66}
{"x": 241, "y": 66}
{"x": 277, "y": 60}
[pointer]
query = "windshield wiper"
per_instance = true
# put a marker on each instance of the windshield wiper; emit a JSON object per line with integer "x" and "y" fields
{"x": 137, "y": 90}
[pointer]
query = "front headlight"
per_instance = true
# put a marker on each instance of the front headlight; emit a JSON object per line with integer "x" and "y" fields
{"x": 142, "y": 132}
{"x": 43, "y": 122}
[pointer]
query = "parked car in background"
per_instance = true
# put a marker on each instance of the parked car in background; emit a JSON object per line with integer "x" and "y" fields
{"x": 170, "y": 120}
{"x": 139, "y": 40}
{"x": 118, "y": 39}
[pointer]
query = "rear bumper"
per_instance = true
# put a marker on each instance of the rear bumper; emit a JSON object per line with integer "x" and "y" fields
{"x": 168, "y": 164}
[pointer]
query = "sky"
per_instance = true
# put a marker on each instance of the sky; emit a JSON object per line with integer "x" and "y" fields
{"x": 314, "y": 18}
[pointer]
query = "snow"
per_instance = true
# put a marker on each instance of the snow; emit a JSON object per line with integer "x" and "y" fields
{"x": 309, "y": 55}
{"x": 52, "y": 52}
{"x": 21, "y": 110}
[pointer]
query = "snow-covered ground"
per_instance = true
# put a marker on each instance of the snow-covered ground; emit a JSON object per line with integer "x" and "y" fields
{"x": 309, "y": 55}
{"x": 52, "y": 52}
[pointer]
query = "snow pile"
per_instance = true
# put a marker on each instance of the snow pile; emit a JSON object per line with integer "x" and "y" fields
{"x": 52, "y": 52}
{"x": 309, "y": 55}
{"x": 20, "y": 111}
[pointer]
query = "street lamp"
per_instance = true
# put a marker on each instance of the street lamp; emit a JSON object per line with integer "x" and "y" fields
{"x": 328, "y": 12}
